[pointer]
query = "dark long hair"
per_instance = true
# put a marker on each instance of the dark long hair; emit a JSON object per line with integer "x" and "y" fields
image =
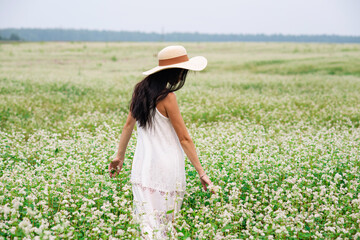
{"x": 151, "y": 90}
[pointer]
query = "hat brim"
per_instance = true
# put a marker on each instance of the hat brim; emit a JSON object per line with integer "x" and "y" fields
{"x": 195, "y": 64}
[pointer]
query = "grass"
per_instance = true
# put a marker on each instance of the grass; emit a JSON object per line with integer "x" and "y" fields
{"x": 276, "y": 126}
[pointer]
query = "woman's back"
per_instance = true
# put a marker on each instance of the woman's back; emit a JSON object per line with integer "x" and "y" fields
{"x": 158, "y": 163}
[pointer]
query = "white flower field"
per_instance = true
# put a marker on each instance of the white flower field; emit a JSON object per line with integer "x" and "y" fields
{"x": 276, "y": 126}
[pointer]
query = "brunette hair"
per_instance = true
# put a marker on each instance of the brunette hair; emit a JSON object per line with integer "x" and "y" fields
{"x": 151, "y": 90}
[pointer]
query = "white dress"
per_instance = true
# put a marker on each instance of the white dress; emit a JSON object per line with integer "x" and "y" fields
{"x": 157, "y": 177}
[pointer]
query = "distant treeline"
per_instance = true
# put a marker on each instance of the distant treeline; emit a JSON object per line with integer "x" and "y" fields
{"x": 12, "y": 37}
{"x": 58, "y": 34}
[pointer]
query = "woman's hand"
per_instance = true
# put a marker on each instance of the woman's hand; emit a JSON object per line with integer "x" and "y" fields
{"x": 115, "y": 167}
{"x": 205, "y": 181}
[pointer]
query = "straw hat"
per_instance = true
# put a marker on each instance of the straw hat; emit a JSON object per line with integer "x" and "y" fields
{"x": 176, "y": 57}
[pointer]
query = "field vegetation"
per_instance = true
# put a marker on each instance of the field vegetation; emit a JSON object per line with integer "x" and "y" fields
{"x": 276, "y": 126}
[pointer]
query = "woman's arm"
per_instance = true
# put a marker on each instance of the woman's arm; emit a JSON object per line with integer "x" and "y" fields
{"x": 173, "y": 111}
{"x": 118, "y": 161}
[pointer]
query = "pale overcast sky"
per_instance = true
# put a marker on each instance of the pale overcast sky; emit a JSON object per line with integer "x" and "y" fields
{"x": 205, "y": 16}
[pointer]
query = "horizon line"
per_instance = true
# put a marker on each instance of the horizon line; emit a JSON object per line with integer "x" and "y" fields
{"x": 181, "y": 32}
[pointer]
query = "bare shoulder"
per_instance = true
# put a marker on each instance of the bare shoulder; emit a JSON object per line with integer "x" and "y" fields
{"x": 167, "y": 104}
{"x": 171, "y": 96}
{"x": 170, "y": 105}
{"x": 170, "y": 99}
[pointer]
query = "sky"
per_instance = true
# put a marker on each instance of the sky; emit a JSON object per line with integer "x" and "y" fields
{"x": 296, "y": 17}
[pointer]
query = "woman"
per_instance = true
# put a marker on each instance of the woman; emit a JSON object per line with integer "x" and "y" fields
{"x": 158, "y": 169}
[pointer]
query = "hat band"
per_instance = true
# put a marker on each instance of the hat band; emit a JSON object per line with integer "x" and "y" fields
{"x": 175, "y": 60}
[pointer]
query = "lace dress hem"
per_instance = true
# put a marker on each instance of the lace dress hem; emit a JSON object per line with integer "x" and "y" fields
{"x": 152, "y": 190}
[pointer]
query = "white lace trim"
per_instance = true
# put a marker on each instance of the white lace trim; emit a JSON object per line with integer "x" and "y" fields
{"x": 152, "y": 190}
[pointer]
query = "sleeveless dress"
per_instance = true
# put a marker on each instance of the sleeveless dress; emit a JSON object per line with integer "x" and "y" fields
{"x": 157, "y": 177}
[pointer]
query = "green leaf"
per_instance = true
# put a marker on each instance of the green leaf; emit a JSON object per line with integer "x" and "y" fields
{"x": 170, "y": 211}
